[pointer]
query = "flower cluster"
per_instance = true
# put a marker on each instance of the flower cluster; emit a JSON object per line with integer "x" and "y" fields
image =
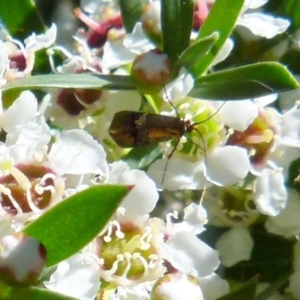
{"x": 237, "y": 153}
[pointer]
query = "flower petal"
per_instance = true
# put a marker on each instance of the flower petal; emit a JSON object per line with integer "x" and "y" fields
{"x": 234, "y": 246}
{"x": 137, "y": 42}
{"x": 178, "y": 174}
{"x": 263, "y": 25}
{"x": 76, "y": 152}
{"x": 290, "y": 127}
{"x": 179, "y": 87}
{"x": 79, "y": 276}
{"x": 227, "y": 165}
{"x": 224, "y": 52}
{"x": 247, "y": 112}
{"x": 4, "y": 62}
{"x": 213, "y": 286}
{"x": 37, "y": 42}
{"x": 115, "y": 54}
{"x": 287, "y": 222}
{"x": 195, "y": 217}
{"x": 20, "y": 112}
{"x": 143, "y": 197}
{"x": 270, "y": 192}
{"x": 190, "y": 255}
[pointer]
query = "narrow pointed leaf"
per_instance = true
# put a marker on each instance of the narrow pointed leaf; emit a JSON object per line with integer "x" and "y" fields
{"x": 221, "y": 18}
{"x": 84, "y": 81}
{"x": 20, "y": 18}
{"x": 196, "y": 51}
{"x": 246, "y": 291}
{"x": 73, "y": 223}
{"x": 131, "y": 12}
{"x": 142, "y": 157}
{"x": 280, "y": 281}
{"x": 245, "y": 82}
{"x": 176, "y": 23}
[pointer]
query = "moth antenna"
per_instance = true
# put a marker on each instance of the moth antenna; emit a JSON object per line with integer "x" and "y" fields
{"x": 168, "y": 159}
{"x": 204, "y": 149}
{"x": 170, "y": 102}
{"x": 200, "y": 135}
{"x": 177, "y": 142}
{"x": 211, "y": 116}
{"x": 205, "y": 161}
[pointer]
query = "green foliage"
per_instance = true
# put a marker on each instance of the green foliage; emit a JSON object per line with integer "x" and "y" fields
{"x": 245, "y": 82}
{"x": 176, "y": 19}
{"x": 246, "y": 291}
{"x": 131, "y": 12}
{"x": 142, "y": 157}
{"x": 80, "y": 81}
{"x": 21, "y": 18}
{"x": 73, "y": 223}
{"x": 32, "y": 293}
{"x": 239, "y": 83}
{"x": 195, "y": 52}
{"x": 222, "y": 18}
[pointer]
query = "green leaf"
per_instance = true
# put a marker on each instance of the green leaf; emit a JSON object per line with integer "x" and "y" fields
{"x": 291, "y": 11}
{"x": 131, "y": 12}
{"x": 280, "y": 282}
{"x": 196, "y": 51}
{"x": 246, "y": 291}
{"x": 32, "y": 293}
{"x": 176, "y": 23}
{"x": 87, "y": 81}
{"x": 244, "y": 82}
{"x": 222, "y": 18}
{"x": 73, "y": 223}
{"x": 142, "y": 157}
{"x": 20, "y": 18}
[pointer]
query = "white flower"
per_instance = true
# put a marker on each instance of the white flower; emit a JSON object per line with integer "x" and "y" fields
{"x": 179, "y": 87}
{"x": 247, "y": 109}
{"x": 234, "y": 246}
{"x": 224, "y": 52}
{"x": 19, "y": 113}
{"x": 290, "y": 127}
{"x": 287, "y": 222}
{"x": 76, "y": 152}
{"x": 33, "y": 175}
{"x": 225, "y": 166}
{"x": 37, "y": 42}
{"x": 190, "y": 255}
{"x": 115, "y": 54}
{"x": 144, "y": 190}
{"x": 176, "y": 286}
{"x": 22, "y": 259}
{"x": 270, "y": 194}
{"x": 195, "y": 217}
{"x": 123, "y": 51}
{"x": 78, "y": 276}
{"x": 137, "y": 42}
{"x": 137, "y": 292}
{"x": 213, "y": 286}
{"x": 261, "y": 24}
{"x": 17, "y": 52}
{"x": 4, "y": 64}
